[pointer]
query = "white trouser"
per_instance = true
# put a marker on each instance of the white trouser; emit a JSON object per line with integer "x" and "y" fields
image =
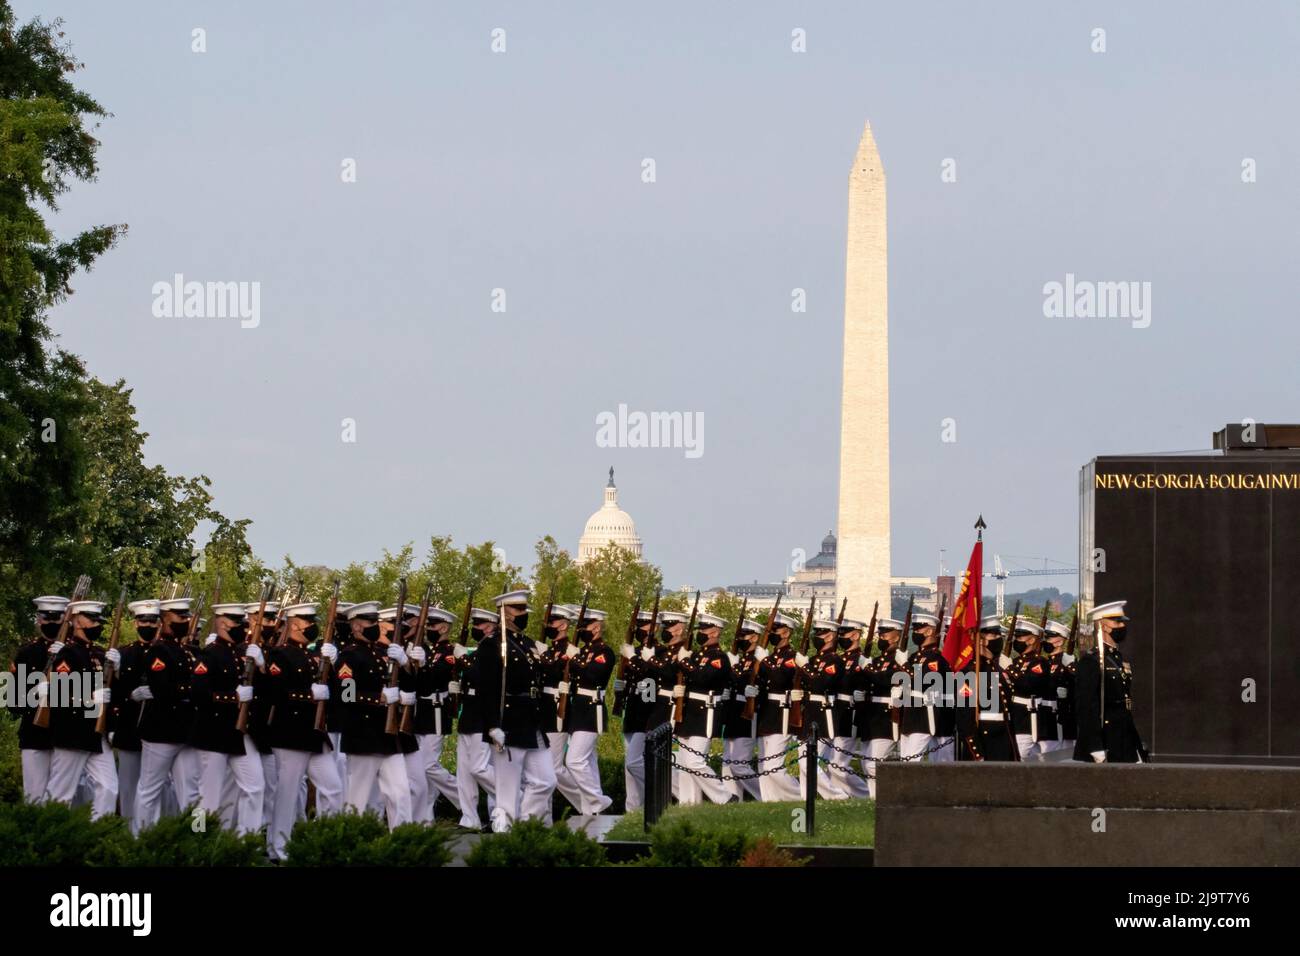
{"x": 336, "y": 740}
{"x": 418, "y": 781}
{"x": 66, "y": 768}
{"x": 850, "y": 783}
{"x": 157, "y": 763}
{"x": 564, "y": 781}
{"x": 128, "y": 781}
{"x": 581, "y": 762}
{"x": 271, "y": 777}
{"x": 877, "y": 748}
{"x": 1049, "y": 746}
{"x": 438, "y": 778}
{"x": 474, "y": 770}
{"x": 693, "y": 787}
{"x": 633, "y": 770}
{"x": 390, "y": 771}
{"x": 296, "y": 766}
{"x": 945, "y": 752}
{"x": 525, "y": 780}
{"x": 779, "y": 786}
{"x": 1029, "y": 748}
{"x": 233, "y": 786}
{"x": 827, "y": 789}
{"x": 36, "y": 774}
{"x": 737, "y": 776}
{"x": 909, "y": 745}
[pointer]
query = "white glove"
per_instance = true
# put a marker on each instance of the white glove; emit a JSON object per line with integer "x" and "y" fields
{"x": 407, "y": 697}
{"x": 539, "y": 648}
{"x": 254, "y": 654}
{"x": 562, "y": 687}
{"x": 1062, "y": 692}
{"x": 329, "y": 652}
{"x": 395, "y": 653}
{"x": 453, "y": 686}
{"x": 647, "y": 653}
{"x": 863, "y": 660}
{"x": 55, "y": 648}
{"x": 417, "y": 655}
{"x": 628, "y": 651}
{"x": 796, "y": 695}
{"x": 900, "y": 657}
{"x": 142, "y": 693}
{"x": 101, "y": 697}
{"x": 244, "y": 692}
{"x": 733, "y": 659}
{"x": 391, "y": 695}
{"x": 210, "y": 639}
{"x": 571, "y": 650}
{"x": 760, "y": 653}
{"x": 42, "y": 691}
{"x": 751, "y": 690}
{"x": 1099, "y": 756}
{"x": 1004, "y": 661}
{"x": 799, "y": 659}
{"x": 679, "y": 691}
{"x": 620, "y": 686}
{"x": 683, "y": 654}
{"x": 1067, "y": 659}
{"x": 320, "y": 691}
{"x": 859, "y": 696}
{"x": 459, "y": 650}
{"x": 498, "y": 737}
{"x": 114, "y": 657}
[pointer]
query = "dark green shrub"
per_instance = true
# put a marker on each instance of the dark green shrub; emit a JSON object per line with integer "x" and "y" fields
{"x": 173, "y": 841}
{"x": 682, "y": 843}
{"x": 612, "y": 783}
{"x": 532, "y": 843}
{"x": 765, "y": 852}
{"x": 341, "y": 839}
{"x": 413, "y": 844}
{"x": 53, "y": 834}
{"x": 11, "y": 763}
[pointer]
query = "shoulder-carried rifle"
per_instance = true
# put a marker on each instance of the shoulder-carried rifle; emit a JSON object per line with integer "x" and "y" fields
{"x": 250, "y": 667}
{"x": 764, "y": 639}
{"x": 562, "y": 702}
{"x": 679, "y": 705}
{"x": 1071, "y": 643}
{"x": 408, "y": 711}
{"x": 628, "y": 641}
{"x": 324, "y": 669}
{"x": 101, "y": 721}
{"x": 796, "y": 701}
{"x": 870, "y": 639}
{"x": 392, "y": 722}
{"x": 463, "y": 640}
{"x": 42, "y": 715}
{"x": 1008, "y": 643}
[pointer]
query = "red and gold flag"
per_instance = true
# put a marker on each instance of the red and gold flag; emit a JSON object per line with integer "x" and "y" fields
{"x": 959, "y": 644}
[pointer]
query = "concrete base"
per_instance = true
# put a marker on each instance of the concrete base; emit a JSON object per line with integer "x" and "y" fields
{"x": 1075, "y": 814}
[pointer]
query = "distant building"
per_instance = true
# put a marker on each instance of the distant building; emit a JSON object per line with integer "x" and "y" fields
{"x": 609, "y": 525}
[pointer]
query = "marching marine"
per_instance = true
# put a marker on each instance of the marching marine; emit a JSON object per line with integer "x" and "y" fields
{"x": 1033, "y": 688}
{"x": 29, "y": 666}
{"x": 982, "y": 725}
{"x": 1103, "y": 701}
{"x": 704, "y": 685}
{"x": 929, "y": 720}
{"x": 589, "y": 675}
{"x": 738, "y": 736}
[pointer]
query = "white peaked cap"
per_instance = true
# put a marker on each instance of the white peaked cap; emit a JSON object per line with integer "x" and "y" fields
{"x": 229, "y": 610}
{"x": 1058, "y": 629}
{"x": 50, "y": 603}
{"x": 271, "y": 607}
{"x": 709, "y": 620}
{"x": 785, "y": 620}
{"x": 86, "y": 607}
{"x": 478, "y": 614}
{"x": 672, "y": 617}
{"x": 176, "y": 604}
{"x": 851, "y": 625}
{"x": 1111, "y": 609}
{"x": 750, "y": 627}
{"x": 991, "y": 622}
{"x": 390, "y": 613}
{"x": 1028, "y": 627}
{"x": 924, "y": 619}
{"x": 145, "y": 608}
{"x": 512, "y": 598}
{"x": 888, "y": 624}
{"x": 363, "y": 607}
{"x": 826, "y": 624}
{"x": 566, "y": 611}
{"x": 594, "y": 615}
{"x": 300, "y": 610}
{"x": 441, "y": 614}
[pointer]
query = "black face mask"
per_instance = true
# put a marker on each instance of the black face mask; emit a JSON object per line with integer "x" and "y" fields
{"x": 341, "y": 631}
{"x": 370, "y": 632}
{"x": 550, "y": 633}
{"x": 1119, "y": 634}
{"x": 310, "y": 631}
{"x": 180, "y": 628}
{"x": 882, "y": 644}
{"x": 50, "y": 629}
{"x": 237, "y": 632}
{"x": 92, "y": 633}
{"x": 584, "y": 635}
{"x": 521, "y": 623}
{"x": 1020, "y": 646}
{"x": 147, "y": 632}
{"x": 843, "y": 643}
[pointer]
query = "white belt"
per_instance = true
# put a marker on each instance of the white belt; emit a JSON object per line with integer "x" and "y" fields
{"x": 846, "y": 698}
{"x": 777, "y": 698}
{"x": 551, "y": 691}
{"x": 881, "y": 700}
{"x": 592, "y": 694}
{"x": 817, "y": 698}
{"x": 707, "y": 698}
{"x": 665, "y": 693}
{"x": 996, "y": 715}
{"x": 437, "y": 697}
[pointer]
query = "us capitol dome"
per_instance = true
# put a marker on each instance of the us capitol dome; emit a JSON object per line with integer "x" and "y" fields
{"x": 611, "y": 524}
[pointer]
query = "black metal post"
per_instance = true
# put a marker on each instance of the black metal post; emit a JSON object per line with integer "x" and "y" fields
{"x": 810, "y": 776}
{"x": 658, "y": 763}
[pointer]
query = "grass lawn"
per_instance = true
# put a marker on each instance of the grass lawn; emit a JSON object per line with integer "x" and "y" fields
{"x": 839, "y": 822}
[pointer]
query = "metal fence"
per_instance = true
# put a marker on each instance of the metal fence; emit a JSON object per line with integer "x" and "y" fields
{"x": 658, "y": 772}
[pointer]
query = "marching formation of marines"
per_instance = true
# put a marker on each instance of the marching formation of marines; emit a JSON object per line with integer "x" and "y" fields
{"x": 273, "y": 715}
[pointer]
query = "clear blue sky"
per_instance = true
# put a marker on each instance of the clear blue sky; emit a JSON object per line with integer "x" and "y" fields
{"x": 522, "y": 171}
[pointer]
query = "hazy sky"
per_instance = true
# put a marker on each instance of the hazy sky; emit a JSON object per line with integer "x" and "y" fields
{"x": 522, "y": 171}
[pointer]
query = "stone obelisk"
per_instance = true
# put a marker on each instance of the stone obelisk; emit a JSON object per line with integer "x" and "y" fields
{"x": 863, "y": 565}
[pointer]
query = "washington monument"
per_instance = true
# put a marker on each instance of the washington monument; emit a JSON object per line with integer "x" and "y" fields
{"x": 863, "y": 566}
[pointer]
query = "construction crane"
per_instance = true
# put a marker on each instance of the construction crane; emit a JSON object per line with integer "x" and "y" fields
{"x": 1000, "y": 574}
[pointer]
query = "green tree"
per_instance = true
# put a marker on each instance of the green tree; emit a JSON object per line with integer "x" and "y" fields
{"x": 45, "y": 146}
